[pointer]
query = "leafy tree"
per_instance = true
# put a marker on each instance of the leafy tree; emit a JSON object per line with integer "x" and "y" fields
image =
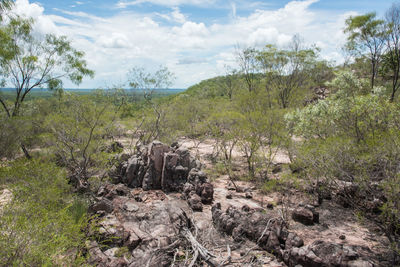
{"x": 77, "y": 136}
{"x": 286, "y": 70}
{"x": 392, "y": 56}
{"x": 29, "y": 61}
{"x": 148, "y": 82}
{"x": 246, "y": 59}
{"x": 366, "y": 37}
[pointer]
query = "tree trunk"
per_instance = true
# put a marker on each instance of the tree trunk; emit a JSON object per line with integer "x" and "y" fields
{"x": 26, "y": 152}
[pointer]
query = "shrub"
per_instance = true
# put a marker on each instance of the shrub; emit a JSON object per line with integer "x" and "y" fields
{"x": 42, "y": 224}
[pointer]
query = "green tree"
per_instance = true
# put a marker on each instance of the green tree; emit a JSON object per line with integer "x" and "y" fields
{"x": 366, "y": 37}
{"x": 246, "y": 58}
{"x": 286, "y": 71}
{"x": 148, "y": 82}
{"x": 29, "y": 61}
{"x": 77, "y": 135}
{"x": 392, "y": 56}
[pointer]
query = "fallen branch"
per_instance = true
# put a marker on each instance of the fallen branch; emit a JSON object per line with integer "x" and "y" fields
{"x": 198, "y": 249}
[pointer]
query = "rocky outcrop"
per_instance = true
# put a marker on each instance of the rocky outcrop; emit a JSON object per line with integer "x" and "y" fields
{"x": 268, "y": 232}
{"x": 271, "y": 234}
{"x": 324, "y": 254}
{"x": 170, "y": 169}
{"x": 141, "y": 229}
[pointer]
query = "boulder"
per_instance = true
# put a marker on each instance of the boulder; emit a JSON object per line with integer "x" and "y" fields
{"x": 194, "y": 202}
{"x": 306, "y": 216}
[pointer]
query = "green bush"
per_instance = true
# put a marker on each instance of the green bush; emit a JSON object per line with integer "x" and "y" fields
{"x": 41, "y": 226}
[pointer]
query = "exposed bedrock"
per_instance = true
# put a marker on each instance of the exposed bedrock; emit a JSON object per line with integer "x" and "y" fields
{"x": 271, "y": 234}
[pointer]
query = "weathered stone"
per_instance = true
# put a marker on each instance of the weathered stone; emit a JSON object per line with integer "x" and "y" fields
{"x": 304, "y": 216}
{"x": 131, "y": 206}
{"x": 195, "y": 202}
{"x": 248, "y": 195}
{"x": 207, "y": 193}
{"x": 102, "y": 205}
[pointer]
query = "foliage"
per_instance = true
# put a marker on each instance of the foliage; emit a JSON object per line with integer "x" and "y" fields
{"x": 148, "y": 82}
{"x": 286, "y": 71}
{"x": 78, "y": 133}
{"x": 352, "y": 137}
{"x": 42, "y": 224}
{"x": 28, "y": 61}
{"x": 366, "y": 36}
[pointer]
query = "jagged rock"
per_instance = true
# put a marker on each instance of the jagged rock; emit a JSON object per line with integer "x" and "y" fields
{"x": 173, "y": 175}
{"x": 195, "y": 202}
{"x": 293, "y": 240}
{"x": 110, "y": 191}
{"x": 158, "y": 166}
{"x": 197, "y": 177}
{"x": 143, "y": 228}
{"x": 321, "y": 253}
{"x": 270, "y": 233}
{"x": 206, "y": 193}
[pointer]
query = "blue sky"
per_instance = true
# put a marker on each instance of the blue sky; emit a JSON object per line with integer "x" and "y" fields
{"x": 195, "y": 39}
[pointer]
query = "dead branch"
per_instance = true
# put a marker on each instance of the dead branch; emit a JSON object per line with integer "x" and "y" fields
{"x": 198, "y": 248}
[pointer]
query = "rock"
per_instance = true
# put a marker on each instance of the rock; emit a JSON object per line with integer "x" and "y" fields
{"x": 207, "y": 193}
{"x": 171, "y": 169}
{"x": 140, "y": 228}
{"x": 175, "y": 144}
{"x": 131, "y": 206}
{"x": 277, "y": 168}
{"x": 306, "y": 216}
{"x": 256, "y": 226}
{"x": 359, "y": 263}
{"x": 293, "y": 240}
{"x": 102, "y": 205}
{"x": 321, "y": 253}
{"x": 155, "y": 163}
{"x": 96, "y": 256}
{"x": 231, "y": 187}
{"x": 195, "y": 202}
{"x": 197, "y": 177}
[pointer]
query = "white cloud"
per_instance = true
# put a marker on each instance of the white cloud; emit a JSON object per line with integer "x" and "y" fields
{"x": 125, "y": 4}
{"x": 192, "y": 50}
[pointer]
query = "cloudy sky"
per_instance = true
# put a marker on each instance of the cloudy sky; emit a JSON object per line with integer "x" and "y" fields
{"x": 195, "y": 39}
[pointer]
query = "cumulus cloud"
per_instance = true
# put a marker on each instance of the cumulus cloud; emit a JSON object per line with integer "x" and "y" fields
{"x": 193, "y": 50}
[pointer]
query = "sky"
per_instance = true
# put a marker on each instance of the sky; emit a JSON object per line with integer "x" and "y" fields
{"x": 195, "y": 39}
